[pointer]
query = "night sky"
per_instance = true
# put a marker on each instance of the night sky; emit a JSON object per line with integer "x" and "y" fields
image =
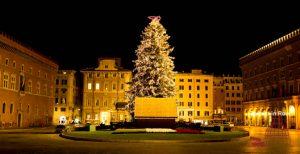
{"x": 210, "y": 36}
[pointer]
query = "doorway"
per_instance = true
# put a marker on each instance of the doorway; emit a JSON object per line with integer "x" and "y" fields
{"x": 19, "y": 120}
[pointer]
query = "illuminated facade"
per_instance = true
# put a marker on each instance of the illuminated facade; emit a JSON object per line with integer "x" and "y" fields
{"x": 228, "y": 99}
{"x": 271, "y": 79}
{"x": 67, "y": 103}
{"x": 26, "y": 85}
{"x": 194, "y": 93}
{"x": 104, "y": 92}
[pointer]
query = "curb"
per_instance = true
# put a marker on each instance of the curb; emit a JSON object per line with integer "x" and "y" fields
{"x": 28, "y": 133}
{"x": 149, "y": 141}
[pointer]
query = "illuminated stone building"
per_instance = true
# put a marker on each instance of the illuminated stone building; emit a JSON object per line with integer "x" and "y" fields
{"x": 271, "y": 78}
{"x": 228, "y": 99}
{"x": 67, "y": 103}
{"x": 26, "y": 85}
{"x": 194, "y": 93}
{"x": 104, "y": 90}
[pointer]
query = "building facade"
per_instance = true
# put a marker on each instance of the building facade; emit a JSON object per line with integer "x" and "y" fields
{"x": 67, "y": 107}
{"x": 26, "y": 85}
{"x": 194, "y": 93}
{"x": 228, "y": 91}
{"x": 271, "y": 78}
{"x": 104, "y": 90}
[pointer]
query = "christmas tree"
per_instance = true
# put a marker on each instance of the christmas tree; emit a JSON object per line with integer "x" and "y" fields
{"x": 153, "y": 73}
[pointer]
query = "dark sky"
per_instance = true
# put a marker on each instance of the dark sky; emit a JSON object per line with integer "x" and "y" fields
{"x": 211, "y": 36}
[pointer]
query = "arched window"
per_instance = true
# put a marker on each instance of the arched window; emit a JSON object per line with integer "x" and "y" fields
{"x": 11, "y": 108}
{"x": 3, "y": 108}
{"x": 27, "y": 108}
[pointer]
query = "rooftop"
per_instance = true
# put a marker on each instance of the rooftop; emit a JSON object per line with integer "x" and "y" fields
{"x": 273, "y": 44}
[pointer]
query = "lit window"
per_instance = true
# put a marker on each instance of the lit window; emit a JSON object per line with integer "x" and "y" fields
{"x": 106, "y": 87}
{"x": 14, "y": 64}
{"x": 38, "y": 88}
{"x": 13, "y": 82}
{"x": 97, "y": 86}
{"x": 22, "y": 67}
{"x": 88, "y": 116}
{"x": 206, "y": 113}
{"x": 30, "y": 70}
{"x": 5, "y": 80}
{"x": 89, "y": 86}
{"x": 29, "y": 86}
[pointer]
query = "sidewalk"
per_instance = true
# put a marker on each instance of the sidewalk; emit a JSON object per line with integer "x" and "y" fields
{"x": 38, "y": 130}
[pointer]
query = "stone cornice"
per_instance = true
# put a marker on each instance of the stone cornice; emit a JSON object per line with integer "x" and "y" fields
{"x": 271, "y": 46}
{"x": 19, "y": 47}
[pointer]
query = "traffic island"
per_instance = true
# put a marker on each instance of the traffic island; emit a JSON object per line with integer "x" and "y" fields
{"x": 110, "y": 136}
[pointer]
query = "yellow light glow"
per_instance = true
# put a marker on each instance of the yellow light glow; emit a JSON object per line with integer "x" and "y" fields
{"x": 292, "y": 110}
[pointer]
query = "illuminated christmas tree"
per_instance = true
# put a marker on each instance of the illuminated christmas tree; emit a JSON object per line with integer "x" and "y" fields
{"x": 153, "y": 73}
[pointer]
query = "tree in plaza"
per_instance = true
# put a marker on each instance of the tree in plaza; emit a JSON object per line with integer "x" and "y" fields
{"x": 153, "y": 75}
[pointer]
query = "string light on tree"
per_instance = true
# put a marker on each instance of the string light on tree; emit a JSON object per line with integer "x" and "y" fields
{"x": 153, "y": 73}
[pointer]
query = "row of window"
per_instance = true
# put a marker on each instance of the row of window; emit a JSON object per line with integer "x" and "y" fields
{"x": 190, "y": 95}
{"x": 233, "y": 102}
{"x": 106, "y": 75}
{"x": 181, "y": 87}
{"x": 11, "y": 84}
{"x": 274, "y": 64}
{"x": 11, "y": 109}
{"x": 97, "y": 103}
{"x": 233, "y": 109}
{"x": 274, "y": 92}
{"x": 63, "y": 82}
{"x": 30, "y": 70}
{"x": 191, "y": 80}
{"x": 98, "y": 86}
{"x": 233, "y": 94}
{"x": 190, "y": 113}
{"x": 191, "y": 104}
{"x": 61, "y": 109}
{"x": 63, "y": 100}
{"x": 232, "y": 88}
